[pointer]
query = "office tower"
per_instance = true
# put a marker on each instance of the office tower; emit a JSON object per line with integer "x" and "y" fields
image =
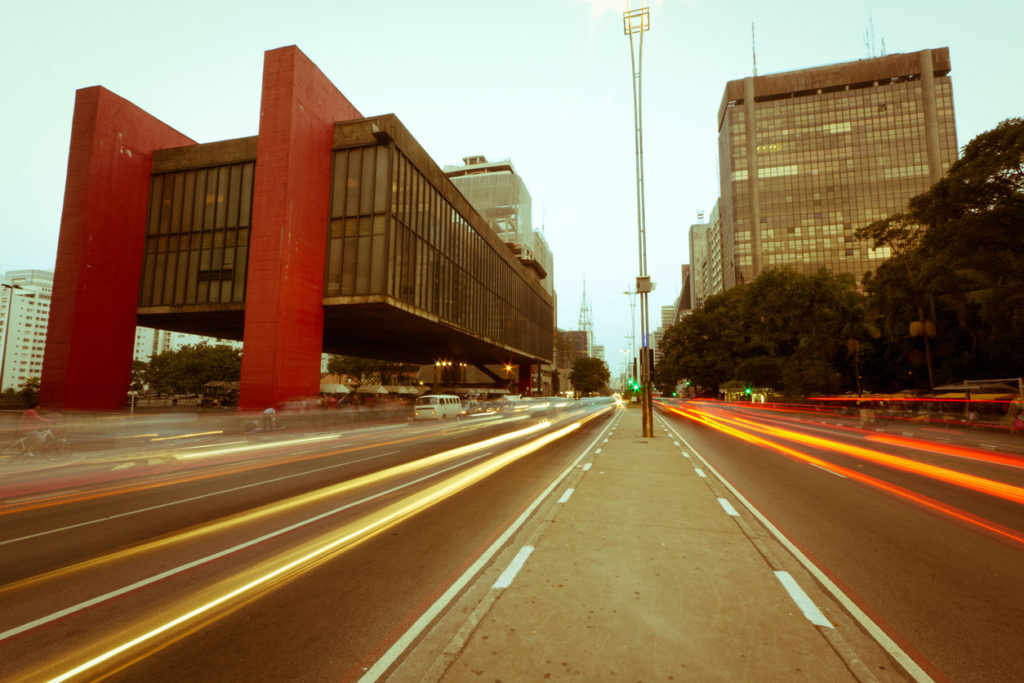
{"x": 807, "y": 157}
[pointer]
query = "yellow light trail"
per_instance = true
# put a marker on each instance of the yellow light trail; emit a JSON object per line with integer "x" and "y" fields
{"x": 328, "y": 544}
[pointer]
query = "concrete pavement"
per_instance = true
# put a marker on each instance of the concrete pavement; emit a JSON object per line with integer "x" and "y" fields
{"x": 639, "y": 570}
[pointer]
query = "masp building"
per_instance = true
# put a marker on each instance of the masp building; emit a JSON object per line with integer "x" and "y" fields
{"x": 326, "y": 232}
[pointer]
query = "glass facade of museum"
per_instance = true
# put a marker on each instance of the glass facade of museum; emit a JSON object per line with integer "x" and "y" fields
{"x": 393, "y": 233}
{"x": 197, "y": 236}
{"x": 828, "y": 161}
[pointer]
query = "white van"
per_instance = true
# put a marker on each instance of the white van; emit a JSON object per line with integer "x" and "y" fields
{"x": 438, "y": 407}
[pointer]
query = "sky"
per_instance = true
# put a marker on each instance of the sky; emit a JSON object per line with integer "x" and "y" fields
{"x": 545, "y": 83}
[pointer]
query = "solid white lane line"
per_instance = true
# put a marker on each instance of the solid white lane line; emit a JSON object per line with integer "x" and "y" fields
{"x": 802, "y": 600}
{"x": 727, "y": 506}
{"x": 565, "y": 496}
{"x": 825, "y": 469}
{"x": 509, "y": 575}
{"x": 129, "y": 513}
{"x": 890, "y": 646}
{"x": 431, "y": 613}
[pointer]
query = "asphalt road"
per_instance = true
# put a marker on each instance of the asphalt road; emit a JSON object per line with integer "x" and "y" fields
{"x": 923, "y": 530}
{"x": 274, "y": 557}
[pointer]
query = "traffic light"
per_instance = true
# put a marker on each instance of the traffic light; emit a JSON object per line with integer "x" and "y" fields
{"x": 748, "y": 391}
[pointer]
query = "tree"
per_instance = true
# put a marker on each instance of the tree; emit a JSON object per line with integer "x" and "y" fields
{"x": 958, "y": 262}
{"x": 29, "y": 391}
{"x": 190, "y": 367}
{"x": 589, "y": 376}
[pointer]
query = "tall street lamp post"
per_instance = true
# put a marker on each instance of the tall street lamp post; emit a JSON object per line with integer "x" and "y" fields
{"x": 7, "y": 327}
{"x": 636, "y": 23}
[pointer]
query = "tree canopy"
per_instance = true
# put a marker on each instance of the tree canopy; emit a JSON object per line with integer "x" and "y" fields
{"x": 589, "y": 376}
{"x": 781, "y": 331}
{"x": 190, "y": 367}
{"x": 952, "y": 295}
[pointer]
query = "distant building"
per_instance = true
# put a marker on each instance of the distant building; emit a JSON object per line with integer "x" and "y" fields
{"x": 699, "y": 267}
{"x": 668, "y": 316}
{"x": 150, "y": 342}
{"x": 807, "y": 157}
{"x": 714, "y": 282}
{"x": 499, "y": 194}
{"x": 25, "y": 311}
{"x": 597, "y": 351}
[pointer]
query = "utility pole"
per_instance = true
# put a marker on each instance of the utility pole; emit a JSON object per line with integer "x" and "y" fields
{"x": 637, "y": 22}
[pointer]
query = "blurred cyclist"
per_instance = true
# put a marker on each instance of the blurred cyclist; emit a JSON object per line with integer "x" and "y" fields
{"x": 32, "y": 425}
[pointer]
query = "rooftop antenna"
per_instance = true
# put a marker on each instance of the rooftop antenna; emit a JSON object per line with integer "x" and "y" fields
{"x": 883, "y": 48}
{"x": 869, "y": 37}
{"x": 700, "y": 217}
{"x": 753, "y": 47}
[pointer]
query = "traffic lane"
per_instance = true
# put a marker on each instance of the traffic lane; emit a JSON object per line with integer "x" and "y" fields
{"x": 92, "y": 521}
{"x": 939, "y": 439}
{"x": 161, "y": 596}
{"x": 946, "y": 591}
{"x": 983, "y": 488}
{"x": 330, "y": 617}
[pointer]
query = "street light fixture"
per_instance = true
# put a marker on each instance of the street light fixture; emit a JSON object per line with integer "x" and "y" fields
{"x": 7, "y": 327}
{"x": 636, "y": 23}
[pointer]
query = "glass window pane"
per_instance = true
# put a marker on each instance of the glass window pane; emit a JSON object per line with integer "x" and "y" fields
{"x": 338, "y": 190}
{"x": 369, "y": 169}
{"x": 352, "y": 186}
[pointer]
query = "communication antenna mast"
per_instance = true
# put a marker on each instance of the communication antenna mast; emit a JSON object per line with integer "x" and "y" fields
{"x": 753, "y": 47}
{"x": 586, "y": 323}
{"x": 869, "y": 37}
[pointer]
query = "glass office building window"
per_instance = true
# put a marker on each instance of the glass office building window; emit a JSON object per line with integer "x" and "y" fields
{"x": 394, "y": 234}
{"x": 197, "y": 237}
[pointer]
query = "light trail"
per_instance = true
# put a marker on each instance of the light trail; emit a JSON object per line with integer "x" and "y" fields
{"x": 968, "y": 481}
{"x": 273, "y": 509}
{"x": 68, "y": 497}
{"x": 947, "y": 449}
{"x": 327, "y": 545}
{"x": 906, "y": 494}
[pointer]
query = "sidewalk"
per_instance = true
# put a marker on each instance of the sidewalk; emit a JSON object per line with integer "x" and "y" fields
{"x": 642, "y": 575}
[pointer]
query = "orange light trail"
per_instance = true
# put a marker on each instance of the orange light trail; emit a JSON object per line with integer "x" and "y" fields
{"x": 998, "y": 489}
{"x": 946, "y": 449}
{"x": 969, "y": 481}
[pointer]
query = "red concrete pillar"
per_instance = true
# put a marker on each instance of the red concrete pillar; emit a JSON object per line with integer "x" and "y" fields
{"x": 91, "y": 334}
{"x": 284, "y": 316}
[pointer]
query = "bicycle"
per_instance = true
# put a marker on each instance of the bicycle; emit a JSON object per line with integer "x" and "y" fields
{"x": 52, "y": 447}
